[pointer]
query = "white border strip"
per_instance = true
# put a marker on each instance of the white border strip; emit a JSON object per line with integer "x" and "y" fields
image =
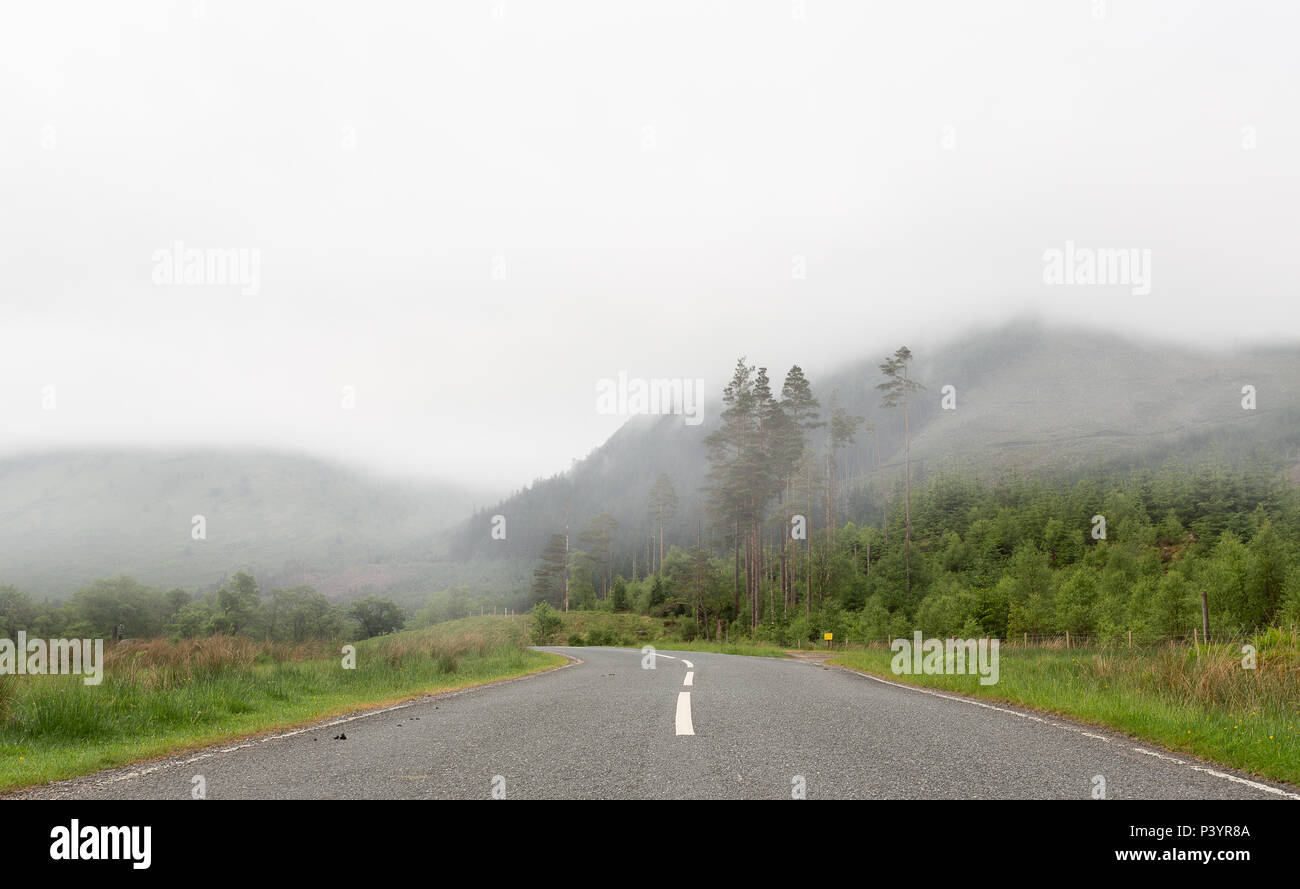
{"x": 1078, "y": 731}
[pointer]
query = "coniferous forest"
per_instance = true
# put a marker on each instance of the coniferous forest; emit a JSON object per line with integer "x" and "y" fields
{"x": 787, "y": 545}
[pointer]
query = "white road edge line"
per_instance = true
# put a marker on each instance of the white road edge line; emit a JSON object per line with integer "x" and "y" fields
{"x": 684, "y": 725}
{"x": 174, "y": 760}
{"x": 690, "y": 678}
{"x": 1069, "y": 728}
{"x": 688, "y": 664}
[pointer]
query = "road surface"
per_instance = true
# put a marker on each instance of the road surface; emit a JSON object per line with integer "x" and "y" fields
{"x": 697, "y": 726}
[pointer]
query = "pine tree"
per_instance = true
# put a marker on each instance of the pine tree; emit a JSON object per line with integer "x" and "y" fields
{"x": 801, "y": 409}
{"x": 548, "y": 577}
{"x": 596, "y": 538}
{"x": 727, "y": 445}
{"x": 844, "y": 428}
{"x": 658, "y": 593}
{"x": 618, "y": 594}
{"x": 897, "y": 387}
{"x": 884, "y": 507}
{"x": 663, "y": 506}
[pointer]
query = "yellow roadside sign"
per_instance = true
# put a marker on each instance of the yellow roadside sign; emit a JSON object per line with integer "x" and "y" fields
{"x": 828, "y": 636}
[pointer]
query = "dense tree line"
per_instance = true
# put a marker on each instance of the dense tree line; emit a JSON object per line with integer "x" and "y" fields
{"x": 123, "y": 607}
{"x": 1010, "y": 556}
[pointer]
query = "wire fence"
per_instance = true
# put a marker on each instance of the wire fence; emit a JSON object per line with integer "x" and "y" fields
{"x": 1058, "y": 640}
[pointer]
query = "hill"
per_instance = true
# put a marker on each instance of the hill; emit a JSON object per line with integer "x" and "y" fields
{"x": 1029, "y": 399}
{"x": 68, "y": 518}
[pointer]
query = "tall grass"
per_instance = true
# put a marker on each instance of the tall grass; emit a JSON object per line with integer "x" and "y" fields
{"x": 1199, "y": 700}
{"x": 158, "y": 696}
{"x": 1211, "y": 675}
{"x": 160, "y": 664}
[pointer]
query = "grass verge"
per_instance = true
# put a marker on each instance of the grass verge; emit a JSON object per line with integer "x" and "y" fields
{"x": 161, "y": 698}
{"x": 1199, "y": 702}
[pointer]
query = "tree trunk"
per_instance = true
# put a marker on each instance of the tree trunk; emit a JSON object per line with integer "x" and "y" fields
{"x": 880, "y": 480}
{"x": 661, "y": 540}
{"x": 808, "y": 540}
{"x": 735, "y": 575}
{"x": 794, "y": 563}
{"x": 566, "y": 555}
{"x": 907, "y": 505}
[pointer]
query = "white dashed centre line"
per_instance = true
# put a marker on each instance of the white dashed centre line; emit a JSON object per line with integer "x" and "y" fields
{"x": 683, "y": 721}
{"x": 684, "y": 725}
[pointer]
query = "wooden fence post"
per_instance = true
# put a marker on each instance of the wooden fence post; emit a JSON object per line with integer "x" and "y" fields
{"x": 1130, "y": 638}
{"x": 1067, "y": 639}
{"x": 1205, "y": 617}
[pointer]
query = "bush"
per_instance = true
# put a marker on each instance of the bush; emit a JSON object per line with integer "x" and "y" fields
{"x": 576, "y": 639}
{"x": 618, "y": 599}
{"x": 800, "y": 631}
{"x": 544, "y": 624}
{"x": 599, "y": 636}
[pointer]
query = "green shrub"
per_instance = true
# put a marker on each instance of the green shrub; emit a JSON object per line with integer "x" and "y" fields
{"x": 544, "y": 624}
{"x": 618, "y": 598}
{"x": 600, "y": 636}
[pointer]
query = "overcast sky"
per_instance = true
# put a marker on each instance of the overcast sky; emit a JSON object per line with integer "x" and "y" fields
{"x": 472, "y": 212}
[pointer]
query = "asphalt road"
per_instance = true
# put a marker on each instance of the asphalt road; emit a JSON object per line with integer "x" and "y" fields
{"x": 743, "y": 727}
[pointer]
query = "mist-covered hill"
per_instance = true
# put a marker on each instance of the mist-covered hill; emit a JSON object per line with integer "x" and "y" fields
{"x": 1029, "y": 398}
{"x": 68, "y": 518}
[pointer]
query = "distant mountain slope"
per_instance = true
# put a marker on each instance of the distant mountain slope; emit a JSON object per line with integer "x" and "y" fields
{"x": 68, "y": 518}
{"x": 1043, "y": 399}
{"x": 615, "y": 478}
{"x": 1028, "y": 397}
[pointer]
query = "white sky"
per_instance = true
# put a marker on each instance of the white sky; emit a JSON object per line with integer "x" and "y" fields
{"x": 648, "y": 172}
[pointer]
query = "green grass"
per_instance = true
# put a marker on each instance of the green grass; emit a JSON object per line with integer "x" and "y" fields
{"x": 626, "y": 630}
{"x": 1202, "y": 704}
{"x": 162, "y": 698}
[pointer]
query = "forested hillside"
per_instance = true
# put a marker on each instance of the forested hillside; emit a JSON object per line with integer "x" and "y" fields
{"x": 1029, "y": 406}
{"x": 1025, "y": 399}
{"x": 1103, "y": 554}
